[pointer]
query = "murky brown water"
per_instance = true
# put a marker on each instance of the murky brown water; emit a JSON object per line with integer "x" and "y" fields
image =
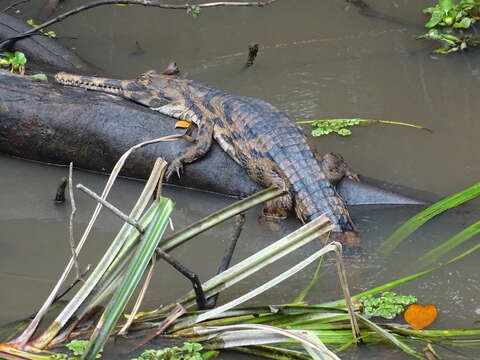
{"x": 317, "y": 60}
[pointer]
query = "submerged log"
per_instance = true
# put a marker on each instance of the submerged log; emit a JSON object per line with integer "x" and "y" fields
{"x": 58, "y": 124}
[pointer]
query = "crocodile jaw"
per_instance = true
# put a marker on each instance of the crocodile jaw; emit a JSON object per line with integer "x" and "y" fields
{"x": 110, "y": 86}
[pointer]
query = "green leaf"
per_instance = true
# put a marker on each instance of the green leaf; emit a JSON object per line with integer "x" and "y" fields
{"x": 19, "y": 58}
{"x": 435, "y": 19}
{"x": 40, "y": 76}
{"x": 465, "y": 23}
{"x": 446, "y": 5}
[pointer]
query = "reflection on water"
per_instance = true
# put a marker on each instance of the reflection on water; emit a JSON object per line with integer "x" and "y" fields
{"x": 316, "y": 60}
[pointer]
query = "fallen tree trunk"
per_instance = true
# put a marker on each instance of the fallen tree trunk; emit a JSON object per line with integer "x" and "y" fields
{"x": 58, "y": 124}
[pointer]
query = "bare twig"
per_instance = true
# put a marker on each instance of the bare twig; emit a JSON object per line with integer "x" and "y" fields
{"x": 14, "y": 5}
{"x": 227, "y": 257}
{"x": 140, "y": 297}
{"x": 70, "y": 223}
{"x": 112, "y": 208}
{"x": 60, "y": 194}
{"x": 190, "y": 275}
{"x": 152, "y": 3}
{"x": 72, "y": 285}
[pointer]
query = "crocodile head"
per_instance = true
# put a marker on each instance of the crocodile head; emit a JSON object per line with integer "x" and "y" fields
{"x": 152, "y": 89}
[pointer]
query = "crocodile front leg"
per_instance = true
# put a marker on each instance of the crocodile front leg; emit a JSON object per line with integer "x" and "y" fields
{"x": 201, "y": 145}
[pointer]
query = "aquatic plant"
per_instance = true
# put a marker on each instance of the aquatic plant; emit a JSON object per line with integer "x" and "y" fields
{"x": 447, "y": 21}
{"x": 341, "y": 126}
{"x": 387, "y": 304}
{"x": 13, "y": 61}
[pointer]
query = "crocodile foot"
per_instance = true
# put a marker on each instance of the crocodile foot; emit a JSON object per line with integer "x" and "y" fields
{"x": 174, "y": 166}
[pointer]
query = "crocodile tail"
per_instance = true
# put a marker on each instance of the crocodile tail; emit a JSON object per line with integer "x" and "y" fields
{"x": 314, "y": 195}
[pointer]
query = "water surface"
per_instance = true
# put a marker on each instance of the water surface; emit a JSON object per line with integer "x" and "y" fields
{"x": 318, "y": 59}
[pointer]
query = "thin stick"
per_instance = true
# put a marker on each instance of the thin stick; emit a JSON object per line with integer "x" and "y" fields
{"x": 140, "y": 297}
{"x": 152, "y": 3}
{"x": 112, "y": 208}
{"x": 70, "y": 223}
{"x": 72, "y": 285}
{"x": 227, "y": 257}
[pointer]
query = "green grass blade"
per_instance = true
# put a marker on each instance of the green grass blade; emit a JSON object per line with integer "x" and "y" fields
{"x": 418, "y": 220}
{"x": 391, "y": 338}
{"x": 434, "y": 254}
{"x": 134, "y": 274}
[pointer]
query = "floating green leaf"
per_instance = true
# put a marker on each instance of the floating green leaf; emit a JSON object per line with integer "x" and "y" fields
{"x": 386, "y": 305}
{"x": 340, "y": 126}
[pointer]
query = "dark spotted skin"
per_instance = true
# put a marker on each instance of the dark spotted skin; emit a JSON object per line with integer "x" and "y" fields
{"x": 261, "y": 138}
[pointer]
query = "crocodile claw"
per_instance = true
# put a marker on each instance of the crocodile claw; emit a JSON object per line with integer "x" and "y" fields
{"x": 174, "y": 166}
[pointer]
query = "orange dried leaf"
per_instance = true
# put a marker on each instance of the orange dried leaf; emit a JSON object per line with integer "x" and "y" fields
{"x": 419, "y": 316}
{"x": 182, "y": 124}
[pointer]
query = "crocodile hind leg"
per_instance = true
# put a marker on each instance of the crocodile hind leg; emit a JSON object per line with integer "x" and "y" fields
{"x": 198, "y": 149}
{"x": 278, "y": 208}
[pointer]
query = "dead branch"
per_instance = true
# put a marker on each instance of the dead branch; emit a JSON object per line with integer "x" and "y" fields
{"x": 152, "y": 3}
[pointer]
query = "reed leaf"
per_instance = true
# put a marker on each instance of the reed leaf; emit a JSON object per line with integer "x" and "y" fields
{"x": 133, "y": 276}
{"x": 218, "y": 217}
{"x": 127, "y": 235}
{"x": 262, "y": 258}
{"x": 268, "y": 285}
{"x": 411, "y": 225}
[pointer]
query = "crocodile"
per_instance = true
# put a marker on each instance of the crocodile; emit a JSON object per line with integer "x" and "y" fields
{"x": 262, "y": 139}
